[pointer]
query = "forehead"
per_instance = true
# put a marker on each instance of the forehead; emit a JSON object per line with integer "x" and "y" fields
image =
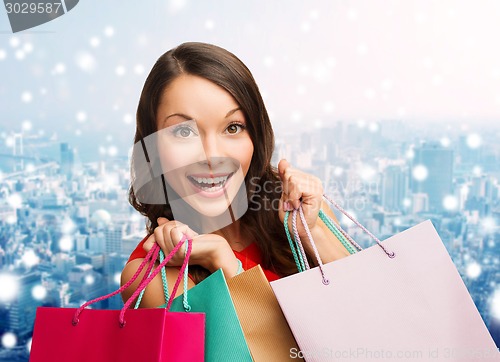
{"x": 195, "y": 96}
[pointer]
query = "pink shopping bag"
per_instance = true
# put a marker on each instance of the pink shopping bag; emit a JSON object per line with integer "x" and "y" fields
{"x": 155, "y": 334}
{"x": 402, "y": 299}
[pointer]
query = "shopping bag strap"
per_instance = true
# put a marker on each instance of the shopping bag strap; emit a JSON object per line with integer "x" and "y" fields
{"x": 345, "y": 239}
{"x": 297, "y": 249}
{"x": 300, "y": 211}
{"x": 166, "y": 293}
{"x": 156, "y": 271}
{"x": 326, "y": 281}
{"x": 150, "y": 257}
{"x": 390, "y": 254}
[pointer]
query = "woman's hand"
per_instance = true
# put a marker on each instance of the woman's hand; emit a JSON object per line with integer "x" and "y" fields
{"x": 210, "y": 251}
{"x": 300, "y": 186}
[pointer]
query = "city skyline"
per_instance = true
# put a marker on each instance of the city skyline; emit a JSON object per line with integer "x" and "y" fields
{"x": 68, "y": 229}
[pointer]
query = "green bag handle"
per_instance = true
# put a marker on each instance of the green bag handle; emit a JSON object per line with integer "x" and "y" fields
{"x": 341, "y": 235}
{"x": 187, "y": 307}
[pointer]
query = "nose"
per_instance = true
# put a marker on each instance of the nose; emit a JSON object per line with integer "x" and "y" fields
{"x": 214, "y": 150}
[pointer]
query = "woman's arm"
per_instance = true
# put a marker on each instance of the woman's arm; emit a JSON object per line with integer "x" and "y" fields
{"x": 153, "y": 296}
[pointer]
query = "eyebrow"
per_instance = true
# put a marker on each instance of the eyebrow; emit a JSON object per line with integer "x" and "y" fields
{"x": 189, "y": 118}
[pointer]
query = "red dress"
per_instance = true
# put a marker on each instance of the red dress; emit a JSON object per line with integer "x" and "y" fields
{"x": 249, "y": 257}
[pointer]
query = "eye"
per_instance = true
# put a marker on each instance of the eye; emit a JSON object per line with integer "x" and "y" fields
{"x": 235, "y": 128}
{"x": 184, "y": 132}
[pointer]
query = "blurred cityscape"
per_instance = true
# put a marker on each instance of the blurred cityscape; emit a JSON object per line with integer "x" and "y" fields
{"x": 66, "y": 228}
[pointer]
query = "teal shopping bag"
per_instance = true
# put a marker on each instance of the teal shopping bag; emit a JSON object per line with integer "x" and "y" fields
{"x": 224, "y": 339}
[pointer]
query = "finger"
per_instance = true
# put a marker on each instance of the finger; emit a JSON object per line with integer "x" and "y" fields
{"x": 162, "y": 220}
{"x": 294, "y": 192}
{"x": 284, "y": 205}
{"x": 148, "y": 244}
{"x": 282, "y": 166}
{"x": 178, "y": 232}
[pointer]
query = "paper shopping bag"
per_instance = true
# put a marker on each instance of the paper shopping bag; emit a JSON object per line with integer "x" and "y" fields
{"x": 79, "y": 334}
{"x": 369, "y": 306}
{"x": 150, "y": 334}
{"x": 266, "y": 330}
{"x": 224, "y": 339}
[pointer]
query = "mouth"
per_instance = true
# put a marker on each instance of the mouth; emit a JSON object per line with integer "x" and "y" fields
{"x": 209, "y": 183}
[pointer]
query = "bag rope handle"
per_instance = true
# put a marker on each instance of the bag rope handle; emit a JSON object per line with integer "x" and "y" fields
{"x": 390, "y": 254}
{"x": 150, "y": 257}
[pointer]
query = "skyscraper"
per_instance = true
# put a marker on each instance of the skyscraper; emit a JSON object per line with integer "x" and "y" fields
{"x": 394, "y": 186}
{"x": 67, "y": 159}
{"x": 23, "y": 308}
{"x": 432, "y": 173}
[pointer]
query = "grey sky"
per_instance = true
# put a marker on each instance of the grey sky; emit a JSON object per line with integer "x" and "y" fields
{"x": 315, "y": 62}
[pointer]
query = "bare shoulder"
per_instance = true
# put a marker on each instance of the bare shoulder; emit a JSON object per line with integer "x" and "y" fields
{"x": 154, "y": 295}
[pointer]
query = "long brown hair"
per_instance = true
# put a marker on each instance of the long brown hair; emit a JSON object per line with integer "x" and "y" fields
{"x": 261, "y": 222}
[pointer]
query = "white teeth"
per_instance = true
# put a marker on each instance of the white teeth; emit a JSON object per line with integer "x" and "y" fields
{"x": 210, "y": 180}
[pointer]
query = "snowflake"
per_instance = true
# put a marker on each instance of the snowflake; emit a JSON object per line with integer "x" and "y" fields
{"x": 473, "y": 270}
{"x": 9, "y": 287}
{"x": 26, "y": 97}
{"x": 39, "y": 292}
{"x": 9, "y": 340}
{"x": 420, "y": 173}
{"x": 450, "y": 203}
{"x": 109, "y": 31}
{"x": 474, "y": 141}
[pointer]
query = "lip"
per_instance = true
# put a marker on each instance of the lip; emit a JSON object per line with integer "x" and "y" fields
{"x": 213, "y": 194}
{"x": 210, "y": 175}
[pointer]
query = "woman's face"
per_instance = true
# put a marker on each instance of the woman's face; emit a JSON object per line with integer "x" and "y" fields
{"x": 204, "y": 147}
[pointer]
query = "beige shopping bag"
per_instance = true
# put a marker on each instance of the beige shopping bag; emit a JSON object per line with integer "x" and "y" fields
{"x": 264, "y": 326}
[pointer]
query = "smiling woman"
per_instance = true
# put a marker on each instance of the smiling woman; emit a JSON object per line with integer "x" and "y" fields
{"x": 205, "y": 150}
{"x": 204, "y": 135}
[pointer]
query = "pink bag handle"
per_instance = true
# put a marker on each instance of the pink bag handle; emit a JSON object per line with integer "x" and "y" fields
{"x": 390, "y": 254}
{"x": 326, "y": 281}
{"x": 151, "y": 256}
{"x": 144, "y": 283}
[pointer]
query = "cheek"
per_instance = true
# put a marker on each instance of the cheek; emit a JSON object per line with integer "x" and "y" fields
{"x": 244, "y": 153}
{"x": 174, "y": 157}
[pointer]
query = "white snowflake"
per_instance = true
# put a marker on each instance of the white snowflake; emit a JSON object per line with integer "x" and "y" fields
{"x": 473, "y": 270}
{"x": 14, "y": 42}
{"x": 128, "y": 118}
{"x": 495, "y": 304}
{"x": 3, "y": 54}
{"x": 112, "y": 151}
{"x": 30, "y": 259}
{"x": 20, "y": 54}
{"x": 81, "y": 116}
{"x": 120, "y": 70}
{"x": 39, "y": 292}
{"x": 59, "y": 68}
{"x": 26, "y": 97}
{"x": 474, "y": 141}
{"x": 117, "y": 278}
{"x": 15, "y": 201}
{"x": 86, "y": 61}
{"x": 139, "y": 69}
{"x": 9, "y": 340}
{"x": 420, "y": 173}
{"x": 28, "y": 47}
{"x": 209, "y": 24}
{"x": 27, "y": 126}
{"x": 445, "y": 142}
{"x": 9, "y": 287}
{"x": 66, "y": 243}
{"x": 89, "y": 279}
{"x": 109, "y": 31}
{"x": 450, "y": 203}
{"x": 477, "y": 170}
{"x": 95, "y": 41}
